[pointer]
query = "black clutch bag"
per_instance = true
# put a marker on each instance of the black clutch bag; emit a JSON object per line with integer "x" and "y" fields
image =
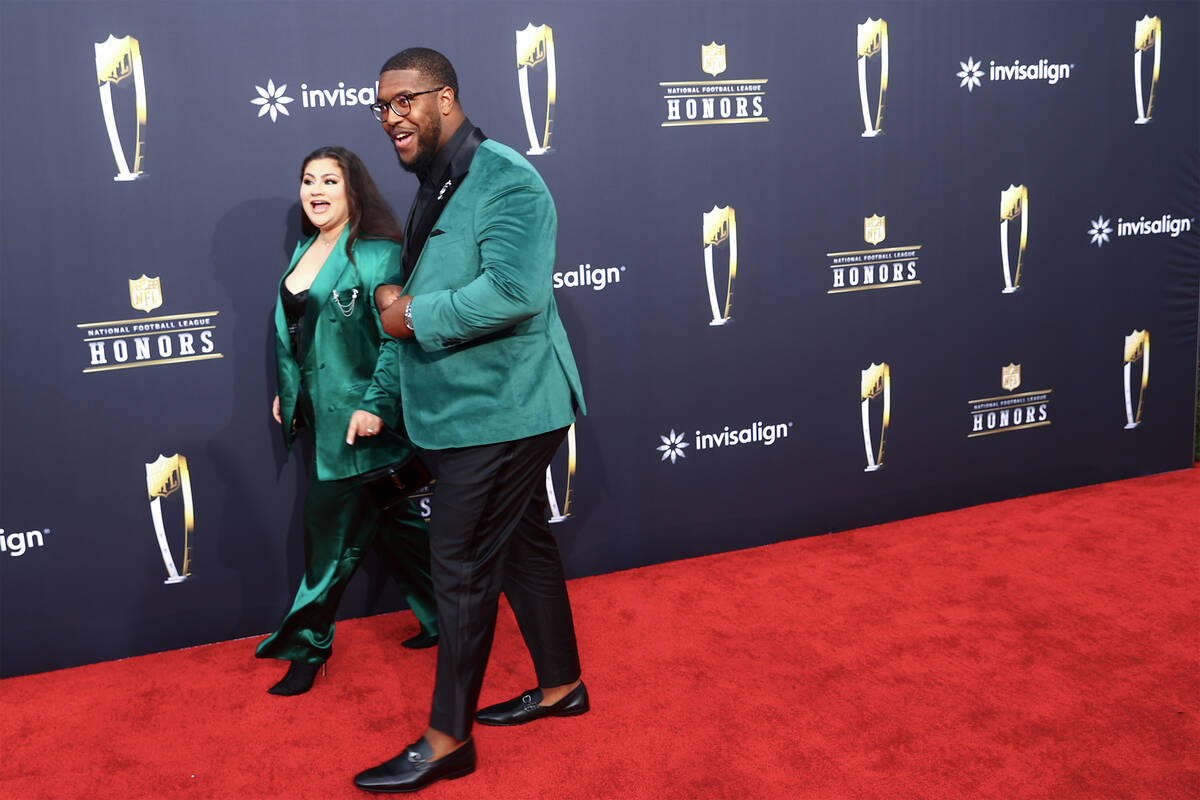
{"x": 393, "y": 484}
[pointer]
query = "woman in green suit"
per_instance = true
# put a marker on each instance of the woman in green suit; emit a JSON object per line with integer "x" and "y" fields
{"x": 328, "y": 344}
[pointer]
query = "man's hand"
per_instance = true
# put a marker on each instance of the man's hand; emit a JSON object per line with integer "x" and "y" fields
{"x": 392, "y": 318}
{"x": 363, "y": 423}
{"x": 387, "y": 294}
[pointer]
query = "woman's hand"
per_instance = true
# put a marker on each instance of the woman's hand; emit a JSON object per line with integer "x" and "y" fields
{"x": 275, "y": 410}
{"x": 363, "y": 423}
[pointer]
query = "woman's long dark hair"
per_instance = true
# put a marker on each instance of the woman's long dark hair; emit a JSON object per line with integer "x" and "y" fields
{"x": 370, "y": 216}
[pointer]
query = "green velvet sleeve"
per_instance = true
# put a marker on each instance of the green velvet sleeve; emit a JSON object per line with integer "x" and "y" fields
{"x": 516, "y": 232}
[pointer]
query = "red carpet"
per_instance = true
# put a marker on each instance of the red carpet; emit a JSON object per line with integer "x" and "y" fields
{"x": 1044, "y": 647}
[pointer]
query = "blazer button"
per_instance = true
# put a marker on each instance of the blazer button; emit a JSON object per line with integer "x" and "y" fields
{"x": 321, "y": 365}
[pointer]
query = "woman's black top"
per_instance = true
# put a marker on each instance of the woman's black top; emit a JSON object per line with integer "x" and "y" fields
{"x": 293, "y": 310}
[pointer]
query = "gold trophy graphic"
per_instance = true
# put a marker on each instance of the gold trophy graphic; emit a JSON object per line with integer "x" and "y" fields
{"x": 164, "y": 478}
{"x": 557, "y": 513}
{"x": 872, "y": 42}
{"x": 720, "y": 226}
{"x": 876, "y": 381}
{"x": 1137, "y": 346}
{"x": 535, "y": 47}
{"x": 1014, "y": 202}
{"x": 145, "y": 294}
{"x": 116, "y": 60}
{"x": 1147, "y": 33}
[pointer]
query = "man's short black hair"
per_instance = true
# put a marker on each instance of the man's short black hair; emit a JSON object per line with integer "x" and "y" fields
{"x": 428, "y": 62}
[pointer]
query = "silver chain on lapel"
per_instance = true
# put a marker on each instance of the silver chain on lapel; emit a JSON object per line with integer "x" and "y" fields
{"x": 348, "y": 308}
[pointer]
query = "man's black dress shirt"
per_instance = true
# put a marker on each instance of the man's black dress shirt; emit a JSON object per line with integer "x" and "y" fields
{"x": 449, "y": 167}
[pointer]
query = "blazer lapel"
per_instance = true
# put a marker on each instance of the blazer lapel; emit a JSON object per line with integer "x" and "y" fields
{"x": 460, "y": 165}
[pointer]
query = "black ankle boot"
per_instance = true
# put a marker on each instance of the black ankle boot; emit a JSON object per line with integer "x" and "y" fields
{"x": 299, "y": 678}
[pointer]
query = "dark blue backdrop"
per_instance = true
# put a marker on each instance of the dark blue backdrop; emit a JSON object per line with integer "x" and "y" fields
{"x": 213, "y": 216}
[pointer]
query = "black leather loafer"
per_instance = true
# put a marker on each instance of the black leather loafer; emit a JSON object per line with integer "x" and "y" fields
{"x": 420, "y": 641}
{"x": 525, "y": 708}
{"x": 412, "y": 769}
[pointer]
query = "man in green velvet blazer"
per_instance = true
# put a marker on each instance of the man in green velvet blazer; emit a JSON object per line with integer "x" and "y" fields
{"x": 487, "y": 379}
{"x": 488, "y": 360}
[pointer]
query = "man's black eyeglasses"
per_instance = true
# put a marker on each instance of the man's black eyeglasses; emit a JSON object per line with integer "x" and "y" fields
{"x": 400, "y": 105}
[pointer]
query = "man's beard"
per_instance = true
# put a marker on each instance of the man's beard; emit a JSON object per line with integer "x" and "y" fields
{"x": 427, "y": 142}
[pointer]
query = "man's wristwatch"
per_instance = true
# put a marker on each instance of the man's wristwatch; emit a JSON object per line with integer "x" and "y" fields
{"x": 408, "y": 316}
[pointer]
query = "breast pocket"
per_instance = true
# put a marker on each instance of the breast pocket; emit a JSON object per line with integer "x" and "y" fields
{"x": 447, "y": 261}
{"x": 349, "y": 333}
{"x": 348, "y": 302}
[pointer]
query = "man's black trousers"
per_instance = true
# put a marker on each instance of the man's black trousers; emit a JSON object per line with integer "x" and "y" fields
{"x": 488, "y": 533}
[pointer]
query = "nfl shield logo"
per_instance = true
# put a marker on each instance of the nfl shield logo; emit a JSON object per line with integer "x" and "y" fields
{"x": 1010, "y": 377}
{"x": 717, "y": 224}
{"x": 145, "y": 294}
{"x": 712, "y": 58}
{"x": 531, "y": 45}
{"x": 874, "y": 229}
{"x": 114, "y": 59}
